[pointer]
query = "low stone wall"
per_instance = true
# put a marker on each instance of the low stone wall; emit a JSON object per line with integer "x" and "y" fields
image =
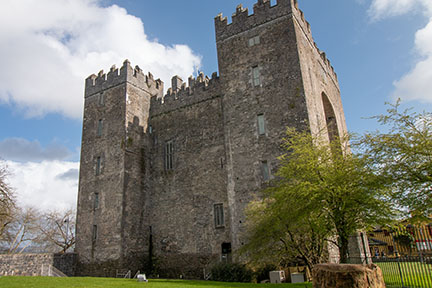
{"x": 347, "y": 275}
{"x": 31, "y": 264}
{"x": 66, "y": 263}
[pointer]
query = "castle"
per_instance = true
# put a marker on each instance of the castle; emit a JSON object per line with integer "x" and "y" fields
{"x": 165, "y": 179}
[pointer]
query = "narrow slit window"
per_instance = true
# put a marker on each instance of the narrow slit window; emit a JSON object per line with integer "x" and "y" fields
{"x": 96, "y": 201}
{"x": 219, "y": 215}
{"x": 98, "y": 165}
{"x": 254, "y": 41}
{"x": 256, "y": 76}
{"x": 261, "y": 124}
{"x": 265, "y": 171}
{"x": 100, "y": 127}
{"x": 101, "y": 99}
{"x": 95, "y": 232}
{"x": 169, "y": 155}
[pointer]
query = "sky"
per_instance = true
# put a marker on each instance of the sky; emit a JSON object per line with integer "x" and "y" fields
{"x": 380, "y": 49}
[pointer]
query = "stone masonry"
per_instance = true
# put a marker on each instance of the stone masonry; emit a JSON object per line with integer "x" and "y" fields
{"x": 165, "y": 178}
{"x": 34, "y": 264}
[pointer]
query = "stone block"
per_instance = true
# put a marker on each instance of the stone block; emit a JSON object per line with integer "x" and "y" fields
{"x": 347, "y": 275}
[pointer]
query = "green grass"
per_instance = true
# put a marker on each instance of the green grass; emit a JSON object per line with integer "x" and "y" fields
{"x": 414, "y": 274}
{"x": 76, "y": 282}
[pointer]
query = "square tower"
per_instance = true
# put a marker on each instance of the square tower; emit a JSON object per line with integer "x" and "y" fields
{"x": 273, "y": 76}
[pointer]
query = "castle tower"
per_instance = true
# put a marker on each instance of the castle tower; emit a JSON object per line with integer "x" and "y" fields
{"x": 273, "y": 76}
{"x": 112, "y": 214}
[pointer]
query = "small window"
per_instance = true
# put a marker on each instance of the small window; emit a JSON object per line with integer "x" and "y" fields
{"x": 96, "y": 201}
{"x": 261, "y": 124}
{"x": 254, "y": 41}
{"x": 219, "y": 215}
{"x": 101, "y": 99}
{"x": 169, "y": 155}
{"x": 98, "y": 165}
{"x": 256, "y": 76}
{"x": 265, "y": 171}
{"x": 95, "y": 232}
{"x": 100, "y": 127}
{"x": 226, "y": 248}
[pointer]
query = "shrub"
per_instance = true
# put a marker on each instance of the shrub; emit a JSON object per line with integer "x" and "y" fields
{"x": 231, "y": 272}
{"x": 263, "y": 272}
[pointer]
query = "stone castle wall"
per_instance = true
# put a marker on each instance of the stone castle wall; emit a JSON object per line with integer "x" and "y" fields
{"x": 278, "y": 96}
{"x": 224, "y": 131}
{"x": 32, "y": 264}
{"x": 183, "y": 198}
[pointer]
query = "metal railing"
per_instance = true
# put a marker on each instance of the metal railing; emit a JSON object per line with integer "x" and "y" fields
{"x": 404, "y": 255}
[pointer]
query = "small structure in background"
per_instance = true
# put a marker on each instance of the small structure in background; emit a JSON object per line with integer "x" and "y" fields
{"x": 297, "y": 278}
{"x": 277, "y": 277}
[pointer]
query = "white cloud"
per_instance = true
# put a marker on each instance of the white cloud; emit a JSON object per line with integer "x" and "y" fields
{"x": 22, "y": 150}
{"x": 48, "y": 48}
{"x": 387, "y": 8}
{"x": 417, "y": 83}
{"x": 47, "y": 185}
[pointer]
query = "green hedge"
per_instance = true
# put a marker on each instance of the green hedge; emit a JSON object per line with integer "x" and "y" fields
{"x": 231, "y": 272}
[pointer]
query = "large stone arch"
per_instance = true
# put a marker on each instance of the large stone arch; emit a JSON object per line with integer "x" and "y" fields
{"x": 330, "y": 117}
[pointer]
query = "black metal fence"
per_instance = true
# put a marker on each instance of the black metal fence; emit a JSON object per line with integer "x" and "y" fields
{"x": 404, "y": 255}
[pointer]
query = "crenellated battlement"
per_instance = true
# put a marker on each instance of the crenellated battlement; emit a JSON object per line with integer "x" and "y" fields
{"x": 242, "y": 21}
{"x": 264, "y": 12}
{"x": 306, "y": 27}
{"x": 183, "y": 94}
{"x": 100, "y": 82}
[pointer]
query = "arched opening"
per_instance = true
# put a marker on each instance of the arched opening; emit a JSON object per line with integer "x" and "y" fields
{"x": 330, "y": 116}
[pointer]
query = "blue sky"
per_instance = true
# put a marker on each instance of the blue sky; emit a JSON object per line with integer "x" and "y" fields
{"x": 380, "y": 49}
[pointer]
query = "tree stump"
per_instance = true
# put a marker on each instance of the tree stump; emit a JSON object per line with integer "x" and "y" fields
{"x": 347, "y": 276}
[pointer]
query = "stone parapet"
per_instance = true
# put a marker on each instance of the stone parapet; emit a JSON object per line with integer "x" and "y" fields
{"x": 199, "y": 89}
{"x": 135, "y": 76}
{"x": 242, "y": 21}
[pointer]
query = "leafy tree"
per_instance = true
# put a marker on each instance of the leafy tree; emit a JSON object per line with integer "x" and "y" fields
{"x": 274, "y": 238}
{"x": 322, "y": 191}
{"x": 7, "y": 200}
{"x": 403, "y": 156}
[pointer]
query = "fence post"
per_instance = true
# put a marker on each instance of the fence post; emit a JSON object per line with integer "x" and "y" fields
{"x": 400, "y": 271}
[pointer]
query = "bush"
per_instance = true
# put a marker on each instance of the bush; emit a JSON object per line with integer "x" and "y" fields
{"x": 231, "y": 272}
{"x": 263, "y": 272}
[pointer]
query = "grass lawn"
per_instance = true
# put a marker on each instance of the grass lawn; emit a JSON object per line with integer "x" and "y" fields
{"x": 414, "y": 274}
{"x": 76, "y": 282}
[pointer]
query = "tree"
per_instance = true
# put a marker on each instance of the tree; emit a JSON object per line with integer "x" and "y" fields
{"x": 22, "y": 230}
{"x": 274, "y": 239}
{"x": 7, "y": 200}
{"x": 403, "y": 156}
{"x": 322, "y": 190}
{"x": 57, "y": 230}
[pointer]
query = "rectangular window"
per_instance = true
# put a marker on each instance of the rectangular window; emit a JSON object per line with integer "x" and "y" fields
{"x": 169, "y": 155}
{"x": 101, "y": 99}
{"x": 95, "y": 233}
{"x": 265, "y": 171}
{"x": 98, "y": 165}
{"x": 100, "y": 127}
{"x": 254, "y": 41}
{"x": 219, "y": 215}
{"x": 256, "y": 76}
{"x": 96, "y": 201}
{"x": 261, "y": 124}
